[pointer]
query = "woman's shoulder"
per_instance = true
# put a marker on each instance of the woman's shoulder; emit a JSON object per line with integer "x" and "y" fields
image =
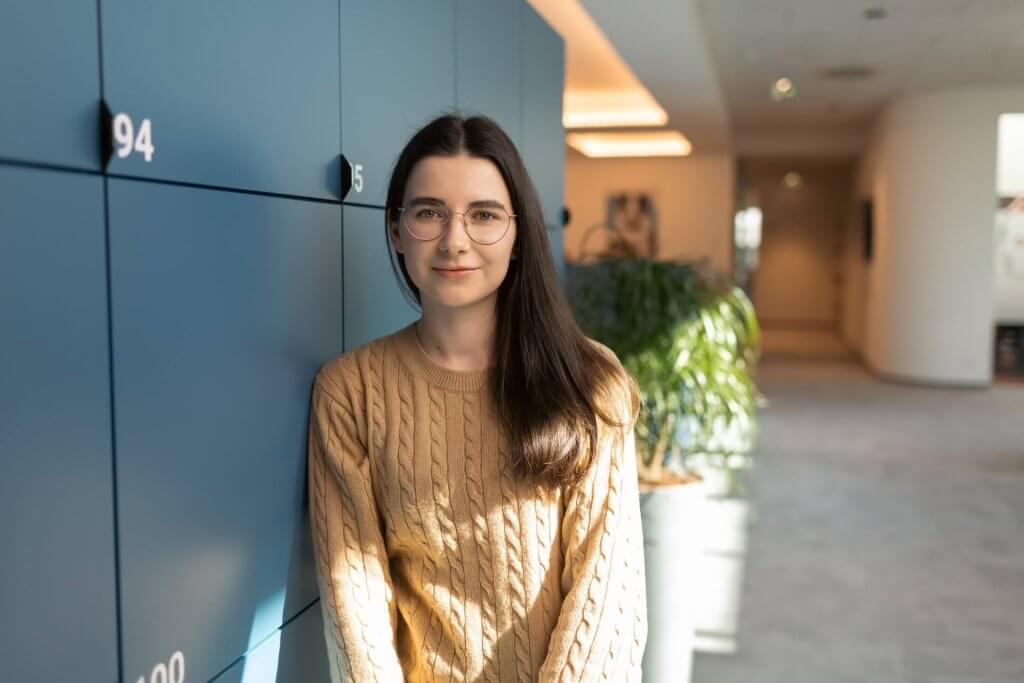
{"x": 346, "y": 374}
{"x": 622, "y": 392}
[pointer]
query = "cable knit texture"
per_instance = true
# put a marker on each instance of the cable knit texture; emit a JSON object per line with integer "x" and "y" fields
{"x": 435, "y": 562}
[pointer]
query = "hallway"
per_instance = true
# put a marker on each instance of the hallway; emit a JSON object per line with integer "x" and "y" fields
{"x": 885, "y": 542}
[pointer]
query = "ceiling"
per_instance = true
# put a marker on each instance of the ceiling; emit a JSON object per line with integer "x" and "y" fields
{"x": 710, "y": 63}
{"x": 664, "y": 44}
{"x": 600, "y": 89}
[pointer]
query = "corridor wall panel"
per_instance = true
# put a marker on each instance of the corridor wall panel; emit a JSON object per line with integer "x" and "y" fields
{"x": 224, "y": 305}
{"x": 489, "y": 55}
{"x": 397, "y": 73}
{"x": 50, "y": 97}
{"x": 374, "y": 304}
{"x": 237, "y": 93}
{"x": 56, "y": 481}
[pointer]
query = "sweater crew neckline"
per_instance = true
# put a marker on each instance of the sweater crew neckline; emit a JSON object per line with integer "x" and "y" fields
{"x": 416, "y": 360}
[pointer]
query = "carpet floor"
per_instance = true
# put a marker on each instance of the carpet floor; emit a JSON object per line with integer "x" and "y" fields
{"x": 885, "y": 539}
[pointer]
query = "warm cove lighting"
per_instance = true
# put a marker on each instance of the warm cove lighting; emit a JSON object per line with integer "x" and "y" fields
{"x": 668, "y": 143}
{"x": 599, "y": 109}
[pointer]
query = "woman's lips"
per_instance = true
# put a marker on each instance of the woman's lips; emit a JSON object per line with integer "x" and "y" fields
{"x": 454, "y": 273}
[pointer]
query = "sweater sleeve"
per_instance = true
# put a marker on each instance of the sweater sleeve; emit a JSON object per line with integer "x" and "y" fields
{"x": 602, "y": 626}
{"x": 356, "y": 592}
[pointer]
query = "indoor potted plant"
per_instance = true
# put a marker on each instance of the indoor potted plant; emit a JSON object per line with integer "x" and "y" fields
{"x": 690, "y": 340}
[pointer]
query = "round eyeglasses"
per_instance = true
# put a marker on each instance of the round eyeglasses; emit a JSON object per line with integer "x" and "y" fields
{"x": 484, "y": 224}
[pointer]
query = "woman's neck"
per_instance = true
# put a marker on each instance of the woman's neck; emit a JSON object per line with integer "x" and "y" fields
{"x": 459, "y": 342}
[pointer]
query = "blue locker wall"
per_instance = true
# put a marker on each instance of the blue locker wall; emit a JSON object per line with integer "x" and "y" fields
{"x": 49, "y": 109}
{"x": 167, "y": 316}
{"x": 374, "y": 303}
{"x": 224, "y": 305}
{"x": 237, "y": 93}
{"x": 56, "y": 499}
{"x": 295, "y": 653}
{"x": 488, "y": 67}
{"x": 543, "y": 146}
{"x": 397, "y": 73}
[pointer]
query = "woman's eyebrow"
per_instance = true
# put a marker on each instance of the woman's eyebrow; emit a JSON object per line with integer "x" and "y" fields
{"x": 494, "y": 203}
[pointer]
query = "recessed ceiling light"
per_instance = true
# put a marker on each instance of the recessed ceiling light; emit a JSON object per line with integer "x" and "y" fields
{"x": 630, "y": 144}
{"x": 792, "y": 180}
{"x": 783, "y": 89}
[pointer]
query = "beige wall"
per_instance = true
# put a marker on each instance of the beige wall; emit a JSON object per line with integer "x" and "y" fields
{"x": 797, "y": 278}
{"x": 694, "y": 197}
{"x": 854, "y": 269}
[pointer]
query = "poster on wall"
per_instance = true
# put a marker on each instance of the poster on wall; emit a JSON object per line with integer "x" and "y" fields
{"x": 1008, "y": 262}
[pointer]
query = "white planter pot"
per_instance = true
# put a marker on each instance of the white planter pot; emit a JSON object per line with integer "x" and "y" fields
{"x": 672, "y": 541}
{"x": 717, "y": 480}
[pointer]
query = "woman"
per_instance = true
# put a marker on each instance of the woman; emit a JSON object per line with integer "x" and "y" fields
{"x": 472, "y": 476}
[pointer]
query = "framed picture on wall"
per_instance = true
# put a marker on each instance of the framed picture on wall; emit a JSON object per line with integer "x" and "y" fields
{"x": 633, "y": 216}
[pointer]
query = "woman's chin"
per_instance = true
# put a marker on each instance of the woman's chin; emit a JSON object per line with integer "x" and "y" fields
{"x": 453, "y": 296}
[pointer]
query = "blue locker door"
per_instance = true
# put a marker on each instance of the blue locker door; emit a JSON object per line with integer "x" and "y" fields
{"x": 488, "y": 62}
{"x": 297, "y": 653}
{"x": 374, "y": 304}
{"x": 556, "y": 243}
{"x": 234, "y": 93}
{"x": 50, "y": 83}
{"x": 543, "y": 135}
{"x": 224, "y": 306}
{"x": 56, "y": 487}
{"x": 397, "y": 73}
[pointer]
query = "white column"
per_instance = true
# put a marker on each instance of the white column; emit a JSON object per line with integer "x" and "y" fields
{"x": 929, "y": 295}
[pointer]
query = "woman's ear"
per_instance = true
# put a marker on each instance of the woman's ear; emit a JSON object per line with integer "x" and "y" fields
{"x": 394, "y": 235}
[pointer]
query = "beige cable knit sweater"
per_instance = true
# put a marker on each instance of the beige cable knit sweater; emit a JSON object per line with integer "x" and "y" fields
{"x": 436, "y": 565}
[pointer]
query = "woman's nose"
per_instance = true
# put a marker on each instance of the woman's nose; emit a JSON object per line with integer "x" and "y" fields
{"x": 455, "y": 236}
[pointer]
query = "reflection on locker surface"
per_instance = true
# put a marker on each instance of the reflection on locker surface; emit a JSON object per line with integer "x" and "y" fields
{"x": 296, "y": 653}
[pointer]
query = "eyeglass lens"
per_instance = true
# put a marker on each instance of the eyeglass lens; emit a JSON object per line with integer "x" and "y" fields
{"x": 485, "y": 225}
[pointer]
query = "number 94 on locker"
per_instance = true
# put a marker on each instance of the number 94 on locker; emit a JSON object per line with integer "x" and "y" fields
{"x": 127, "y": 139}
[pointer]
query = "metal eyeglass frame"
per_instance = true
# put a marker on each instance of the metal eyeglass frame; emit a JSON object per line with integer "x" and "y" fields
{"x": 448, "y": 224}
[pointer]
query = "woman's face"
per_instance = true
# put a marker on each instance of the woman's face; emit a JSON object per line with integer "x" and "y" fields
{"x": 456, "y": 181}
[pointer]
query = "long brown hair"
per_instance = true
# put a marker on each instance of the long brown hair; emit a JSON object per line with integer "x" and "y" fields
{"x": 550, "y": 383}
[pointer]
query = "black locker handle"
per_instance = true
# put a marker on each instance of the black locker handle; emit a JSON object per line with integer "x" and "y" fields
{"x": 106, "y": 134}
{"x": 346, "y": 176}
